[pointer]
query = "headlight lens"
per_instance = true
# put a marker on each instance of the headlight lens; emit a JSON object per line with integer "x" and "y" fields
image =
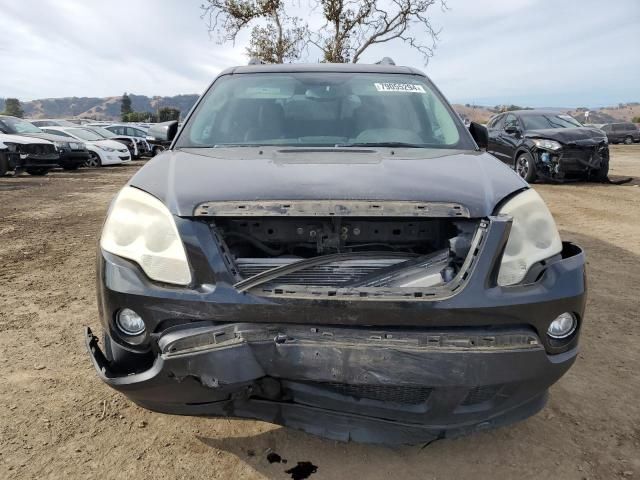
{"x": 533, "y": 237}
{"x": 547, "y": 144}
{"x": 61, "y": 145}
{"x": 139, "y": 227}
{"x": 106, "y": 149}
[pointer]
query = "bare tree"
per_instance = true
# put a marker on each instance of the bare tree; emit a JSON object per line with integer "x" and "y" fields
{"x": 276, "y": 37}
{"x": 351, "y": 27}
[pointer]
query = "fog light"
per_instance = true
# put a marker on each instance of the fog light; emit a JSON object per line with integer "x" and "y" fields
{"x": 129, "y": 322}
{"x": 563, "y": 326}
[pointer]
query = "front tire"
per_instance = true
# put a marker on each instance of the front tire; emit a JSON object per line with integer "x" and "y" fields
{"x": 4, "y": 165}
{"x": 39, "y": 172}
{"x": 93, "y": 161}
{"x": 602, "y": 173}
{"x": 525, "y": 167}
{"x": 628, "y": 141}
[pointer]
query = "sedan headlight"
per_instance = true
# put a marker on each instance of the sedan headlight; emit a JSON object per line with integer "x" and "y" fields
{"x": 62, "y": 145}
{"x": 547, "y": 144}
{"x": 139, "y": 227}
{"x": 533, "y": 237}
{"x": 106, "y": 149}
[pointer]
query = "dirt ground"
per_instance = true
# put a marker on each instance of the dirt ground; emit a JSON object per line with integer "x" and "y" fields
{"x": 57, "y": 420}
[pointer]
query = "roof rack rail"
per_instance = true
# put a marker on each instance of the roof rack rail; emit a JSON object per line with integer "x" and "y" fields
{"x": 256, "y": 61}
{"x": 386, "y": 61}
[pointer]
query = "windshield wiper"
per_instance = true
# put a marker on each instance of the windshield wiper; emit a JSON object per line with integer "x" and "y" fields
{"x": 380, "y": 144}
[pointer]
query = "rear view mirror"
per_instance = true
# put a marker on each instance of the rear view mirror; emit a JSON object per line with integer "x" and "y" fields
{"x": 163, "y": 132}
{"x": 480, "y": 134}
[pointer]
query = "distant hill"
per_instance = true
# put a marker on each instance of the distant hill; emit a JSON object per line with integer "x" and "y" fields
{"x": 100, "y": 108}
{"x": 109, "y": 108}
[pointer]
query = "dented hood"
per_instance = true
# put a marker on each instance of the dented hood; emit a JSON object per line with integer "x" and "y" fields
{"x": 184, "y": 178}
{"x": 581, "y": 136}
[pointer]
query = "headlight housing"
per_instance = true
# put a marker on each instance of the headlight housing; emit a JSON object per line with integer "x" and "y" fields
{"x": 139, "y": 227}
{"x": 533, "y": 237}
{"x": 62, "y": 145}
{"x": 106, "y": 149}
{"x": 547, "y": 144}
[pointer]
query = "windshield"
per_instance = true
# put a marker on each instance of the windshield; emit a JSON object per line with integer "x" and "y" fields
{"x": 538, "y": 122}
{"x": 16, "y": 125}
{"x": 103, "y": 132}
{"x": 85, "y": 134}
{"x": 323, "y": 109}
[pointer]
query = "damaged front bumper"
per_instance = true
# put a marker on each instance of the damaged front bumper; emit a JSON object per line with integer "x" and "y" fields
{"x": 373, "y": 369}
{"x": 379, "y": 386}
{"x": 571, "y": 161}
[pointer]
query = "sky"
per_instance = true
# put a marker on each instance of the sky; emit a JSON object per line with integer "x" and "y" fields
{"x": 564, "y": 53}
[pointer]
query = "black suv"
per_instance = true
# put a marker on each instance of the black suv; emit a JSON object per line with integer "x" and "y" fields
{"x": 326, "y": 246}
{"x": 548, "y": 145}
{"x": 625, "y": 132}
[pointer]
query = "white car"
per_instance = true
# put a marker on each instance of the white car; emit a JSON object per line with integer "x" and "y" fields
{"x": 101, "y": 150}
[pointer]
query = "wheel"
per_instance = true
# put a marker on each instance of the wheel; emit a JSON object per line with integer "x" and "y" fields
{"x": 4, "y": 165}
{"x": 93, "y": 160}
{"x": 156, "y": 150}
{"x": 628, "y": 141}
{"x": 602, "y": 173}
{"x": 37, "y": 171}
{"x": 526, "y": 168}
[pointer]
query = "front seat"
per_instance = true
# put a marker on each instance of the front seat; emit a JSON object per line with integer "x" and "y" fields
{"x": 270, "y": 123}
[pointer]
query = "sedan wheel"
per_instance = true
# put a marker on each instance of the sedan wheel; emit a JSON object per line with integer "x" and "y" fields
{"x": 93, "y": 160}
{"x": 525, "y": 167}
{"x": 628, "y": 141}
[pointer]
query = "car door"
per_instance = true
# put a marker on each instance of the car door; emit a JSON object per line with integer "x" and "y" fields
{"x": 494, "y": 129}
{"x": 510, "y": 137}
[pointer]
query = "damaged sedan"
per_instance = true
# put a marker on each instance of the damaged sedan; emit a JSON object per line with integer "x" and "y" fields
{"x": 327, "y": 247}
{"x": 550, "y": 146}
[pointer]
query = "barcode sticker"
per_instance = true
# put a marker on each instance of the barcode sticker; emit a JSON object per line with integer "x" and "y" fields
{"x": 399, "y": 87}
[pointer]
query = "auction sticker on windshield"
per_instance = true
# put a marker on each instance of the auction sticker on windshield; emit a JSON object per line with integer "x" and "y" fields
{"x": 399, "y": 87}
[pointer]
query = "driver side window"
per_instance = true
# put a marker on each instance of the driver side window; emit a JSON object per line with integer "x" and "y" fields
{"x": 511, "y": 122}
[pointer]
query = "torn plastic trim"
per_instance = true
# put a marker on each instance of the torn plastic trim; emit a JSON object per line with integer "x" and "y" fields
{"x": 189, "y": 340}
{"x": 437, "y": 292}
{"x": 323, "y": 208}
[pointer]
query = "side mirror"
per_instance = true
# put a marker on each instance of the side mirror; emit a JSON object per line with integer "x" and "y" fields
{"x": 511, "y": 129}
{"x": 163, "y": 132}
{"x": 480, "y": 134}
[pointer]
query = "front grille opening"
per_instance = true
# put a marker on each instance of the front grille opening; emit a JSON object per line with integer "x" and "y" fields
{"x": 340, "y": 254}
{"x": 478, "y": 395}
{"x": 401, "y": 394}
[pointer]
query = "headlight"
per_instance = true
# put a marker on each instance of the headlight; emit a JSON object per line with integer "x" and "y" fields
{"x": 547, "y": 144}
{"x": 106, "y": 149}
{"x": 61, "y": 145}
{"x": 139, "y": 227}
{"x": 533, "y": 237}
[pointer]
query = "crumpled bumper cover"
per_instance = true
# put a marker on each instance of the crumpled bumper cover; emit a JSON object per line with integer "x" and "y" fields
{"x": 344, "y": 383}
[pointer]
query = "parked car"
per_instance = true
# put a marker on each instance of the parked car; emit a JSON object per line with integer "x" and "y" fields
{"x": 71, "y": 153}
{"x": 623, "y": 132}
{"x": 101, "y": 151}
{"x": 32, "y": 155}
{"x": 52, "y": 122}
{"x": 133, "y": 131}
{"x": 137, "y": 147}
{"x": 326, "y": 247}
{"x": 548, "y": 145}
